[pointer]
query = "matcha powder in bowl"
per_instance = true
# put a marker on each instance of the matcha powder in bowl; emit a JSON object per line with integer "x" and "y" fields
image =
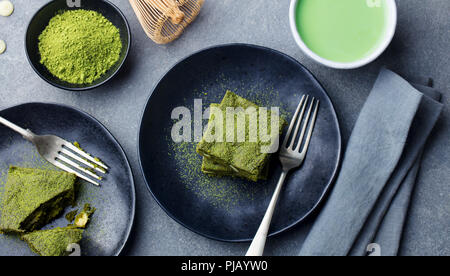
{"x": 79, "y": 46}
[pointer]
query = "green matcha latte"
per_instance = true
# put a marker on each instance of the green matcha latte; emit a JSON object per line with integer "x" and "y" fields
{"x": 79, "y": 46}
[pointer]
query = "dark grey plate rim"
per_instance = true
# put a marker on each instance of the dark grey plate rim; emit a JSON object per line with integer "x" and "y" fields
{"x": 122, "y": 152}
{"x": 87, "y": 87}
{"x": 328, "y": 186}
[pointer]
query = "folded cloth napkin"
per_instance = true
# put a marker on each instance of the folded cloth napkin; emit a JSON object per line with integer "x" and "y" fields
{"x": 371, "y": 196}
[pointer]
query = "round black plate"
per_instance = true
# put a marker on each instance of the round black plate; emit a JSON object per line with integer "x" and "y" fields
{"x": 40, "y": 21}
{"x": 231, "y": 209}
{"x": 115, "y": 199}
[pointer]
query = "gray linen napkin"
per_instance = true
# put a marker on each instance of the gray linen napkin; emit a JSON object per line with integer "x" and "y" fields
{"x": 371, "y": 196}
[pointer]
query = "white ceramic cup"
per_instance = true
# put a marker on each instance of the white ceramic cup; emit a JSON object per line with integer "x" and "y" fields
{"x": 389, "y": 34}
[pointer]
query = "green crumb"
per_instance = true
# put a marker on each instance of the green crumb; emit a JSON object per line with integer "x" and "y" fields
{"x": 70, "y": 217}
{"x": 96, "y": 166}
{"x": 82, "y": 219}
{"x": 53, "y": 242}
{"x": 90, "y": 170}
{"x": 76, "y": 144}
{"x": 79, "y": 46}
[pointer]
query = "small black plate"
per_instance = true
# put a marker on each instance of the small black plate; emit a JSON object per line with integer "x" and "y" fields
{"x": 40, "y": 21}
{"x": 110, "y": 227}
{"x": 231, "y": 209}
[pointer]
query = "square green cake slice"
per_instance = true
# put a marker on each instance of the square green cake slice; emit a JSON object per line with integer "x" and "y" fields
{"x": 33, "y": 197}
{"x": 53, "y": 242}
{"x": 212, "y": 168}
{"x": 246, "y": 158}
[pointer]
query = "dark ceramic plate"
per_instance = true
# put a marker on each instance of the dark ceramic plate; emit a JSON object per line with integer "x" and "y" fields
{"x": 115, "y": 199}
{"x": 231, "y": 209}
{"x": 40, "y": 21}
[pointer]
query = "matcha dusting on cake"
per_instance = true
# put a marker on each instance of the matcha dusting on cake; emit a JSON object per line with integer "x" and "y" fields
{"x": 245, "y": 158}
{"x": 53, "y": 242}
{"x": 32, "y": 198}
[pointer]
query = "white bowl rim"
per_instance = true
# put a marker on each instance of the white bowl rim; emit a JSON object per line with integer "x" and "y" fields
{"x": 392, "y": 25}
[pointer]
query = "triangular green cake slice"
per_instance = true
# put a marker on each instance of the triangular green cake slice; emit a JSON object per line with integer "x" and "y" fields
{"x": 32, "y": 198}
{"x": 53, "y": 242}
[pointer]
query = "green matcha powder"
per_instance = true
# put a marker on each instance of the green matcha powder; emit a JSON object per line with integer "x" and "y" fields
{"x": 79, "y": 46}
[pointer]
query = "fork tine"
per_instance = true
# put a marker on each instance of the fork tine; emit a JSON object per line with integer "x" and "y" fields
{"x": 299, "y": 123}
{"x": 85, "y": 155}
{"x": 291, "y": 126}
{"x": 67, "y": 169}
{"x": 81, "y": 160}
{"x": 311, "y": 128}
{"x": 78, "y": 167}
{"x": 305, "y": 125}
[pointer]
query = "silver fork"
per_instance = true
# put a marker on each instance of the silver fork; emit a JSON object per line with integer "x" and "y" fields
{"x": 62, "y": 154}
{"x": 291, "y": 157}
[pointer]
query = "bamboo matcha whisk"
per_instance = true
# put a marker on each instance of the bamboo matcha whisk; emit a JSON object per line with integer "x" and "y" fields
{"x": 164, "y": 20}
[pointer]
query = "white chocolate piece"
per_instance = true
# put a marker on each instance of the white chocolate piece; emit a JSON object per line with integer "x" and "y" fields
{"x": 6, "y": 8}
{"x": 2, "y": 46}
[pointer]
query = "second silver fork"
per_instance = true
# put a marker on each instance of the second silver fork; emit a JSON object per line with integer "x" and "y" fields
{"x": 292, "y": 154}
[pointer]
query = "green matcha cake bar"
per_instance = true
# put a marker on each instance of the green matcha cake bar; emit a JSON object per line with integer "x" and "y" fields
{"x": 53, "y": 242}
{"x": 32, "y": 198}
{"x": 246, "y": 159}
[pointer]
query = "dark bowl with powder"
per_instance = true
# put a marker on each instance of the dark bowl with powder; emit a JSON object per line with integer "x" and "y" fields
{"x": 41, "y": 20}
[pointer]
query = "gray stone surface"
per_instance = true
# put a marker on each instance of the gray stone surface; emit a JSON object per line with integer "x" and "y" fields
{"x": 420, "y": 49}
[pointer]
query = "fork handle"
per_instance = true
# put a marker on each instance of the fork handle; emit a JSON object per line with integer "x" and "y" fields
{"x": 259, "y": 242}
{"x": 24, "y": 132}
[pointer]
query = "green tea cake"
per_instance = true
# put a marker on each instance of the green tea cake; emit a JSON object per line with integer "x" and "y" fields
{"x": 32, "y": 198}
{"x": 53, "y": 242}
{"x": 246, "y": 159}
